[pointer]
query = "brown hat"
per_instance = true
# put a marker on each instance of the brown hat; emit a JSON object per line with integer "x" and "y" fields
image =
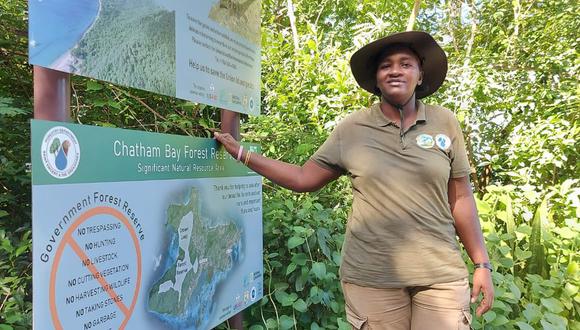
{"x": 433, "y": 61}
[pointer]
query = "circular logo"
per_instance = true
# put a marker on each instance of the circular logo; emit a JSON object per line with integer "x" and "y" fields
{"x": 253, "y": 293}
{"x": 251, "y": 103}
{"x": 442, "y": 141}
{"x": 425, "y": 141}
{"x": 60, "y": 152}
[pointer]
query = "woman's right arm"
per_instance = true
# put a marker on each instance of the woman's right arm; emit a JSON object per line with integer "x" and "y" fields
{"x": 309, "y": 177}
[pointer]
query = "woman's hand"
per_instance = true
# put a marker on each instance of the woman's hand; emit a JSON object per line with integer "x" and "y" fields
{"x": 232, "y": 146}
{"x": 482, "y": 283}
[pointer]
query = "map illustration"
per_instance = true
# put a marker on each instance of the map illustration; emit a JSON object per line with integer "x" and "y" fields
{"x": 198, "y": 258}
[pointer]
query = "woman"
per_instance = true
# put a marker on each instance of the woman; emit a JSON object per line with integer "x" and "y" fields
{"x": 401, "y": 265}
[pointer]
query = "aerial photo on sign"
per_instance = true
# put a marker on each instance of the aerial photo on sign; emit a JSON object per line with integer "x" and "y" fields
{"x": 205, "y": 51}
{"x": 164, "y": 233}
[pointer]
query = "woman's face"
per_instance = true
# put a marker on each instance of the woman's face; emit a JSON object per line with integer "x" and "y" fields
{"x": 398, "y": 73}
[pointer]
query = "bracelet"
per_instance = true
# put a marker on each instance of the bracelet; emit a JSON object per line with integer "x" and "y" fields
{"x": 240, "y": 150}
{"x": 485, "y": 265}
{"x": 248, "y": 155}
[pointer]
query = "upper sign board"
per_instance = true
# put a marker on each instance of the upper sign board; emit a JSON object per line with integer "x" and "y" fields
{"x": 205, "y": 51}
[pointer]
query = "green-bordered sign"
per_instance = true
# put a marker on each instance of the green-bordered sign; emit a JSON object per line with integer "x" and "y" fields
{"x": 206, "y": 51}
{"x": 141, "y": 230}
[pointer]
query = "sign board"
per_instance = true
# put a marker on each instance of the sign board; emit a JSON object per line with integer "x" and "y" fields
{"x": 205, "y": 51}
{"x": 135, "y": 230}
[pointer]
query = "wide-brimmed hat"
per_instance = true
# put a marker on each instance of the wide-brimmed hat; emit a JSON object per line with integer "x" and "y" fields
{"x": 363, "y": 62}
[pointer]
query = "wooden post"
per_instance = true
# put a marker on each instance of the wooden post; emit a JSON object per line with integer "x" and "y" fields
{"x": 230, "y": 123}
{"x": 51, "y": 94}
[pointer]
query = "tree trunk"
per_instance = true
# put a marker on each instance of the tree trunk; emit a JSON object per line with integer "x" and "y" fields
{"x": 292, "y": 23}
{"x": 413, "y": 15}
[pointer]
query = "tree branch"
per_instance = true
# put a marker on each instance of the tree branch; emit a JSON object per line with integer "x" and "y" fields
{"x": 292, "y": 18}
{"x": 413, "y": 15}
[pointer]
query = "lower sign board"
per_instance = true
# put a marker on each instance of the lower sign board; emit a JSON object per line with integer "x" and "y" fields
{"x": 135, "y": 230}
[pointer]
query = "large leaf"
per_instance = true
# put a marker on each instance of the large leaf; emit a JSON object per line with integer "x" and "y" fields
{"x": 538, "y": 264}
{"x": 323, "y": 235}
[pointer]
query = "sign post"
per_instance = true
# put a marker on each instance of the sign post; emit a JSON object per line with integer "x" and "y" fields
{"x": 51, "y": 94}
{"x": 230, "y": 123}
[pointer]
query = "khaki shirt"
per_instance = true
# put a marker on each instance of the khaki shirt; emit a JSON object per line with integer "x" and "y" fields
{"x": 400, "y": 231}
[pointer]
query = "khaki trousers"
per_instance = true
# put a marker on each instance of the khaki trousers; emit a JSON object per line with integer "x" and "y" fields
{"x": 442, "y": 306}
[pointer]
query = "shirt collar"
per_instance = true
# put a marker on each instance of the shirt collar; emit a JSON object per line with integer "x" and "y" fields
{"x": 382, "y": 120}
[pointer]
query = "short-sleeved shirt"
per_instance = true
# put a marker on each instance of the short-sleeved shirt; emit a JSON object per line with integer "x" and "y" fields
{"x": 400, "y": 231}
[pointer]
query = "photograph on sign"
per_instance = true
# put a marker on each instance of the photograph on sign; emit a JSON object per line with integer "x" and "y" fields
{"x": 205, "y": 51}
{"x": 149, "y": 231}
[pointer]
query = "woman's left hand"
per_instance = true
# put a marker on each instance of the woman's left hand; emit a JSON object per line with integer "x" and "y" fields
{"x": 482, "y": 283}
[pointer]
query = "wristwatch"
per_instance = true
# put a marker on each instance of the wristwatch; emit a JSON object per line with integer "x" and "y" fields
{"x": 486, "y": 265}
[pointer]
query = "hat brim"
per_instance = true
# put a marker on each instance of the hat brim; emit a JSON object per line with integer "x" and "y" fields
{"x": 363, "y": 61}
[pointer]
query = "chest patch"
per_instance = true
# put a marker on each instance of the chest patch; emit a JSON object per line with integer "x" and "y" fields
{"x": 425, "y": 141}
{"x": 443, "y": 141}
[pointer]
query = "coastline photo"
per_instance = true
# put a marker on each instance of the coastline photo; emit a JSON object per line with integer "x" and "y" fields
{"x": 127, "y": 43}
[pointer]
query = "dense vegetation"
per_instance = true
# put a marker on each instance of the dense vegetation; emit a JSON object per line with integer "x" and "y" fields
{"x": 512, "y": 83}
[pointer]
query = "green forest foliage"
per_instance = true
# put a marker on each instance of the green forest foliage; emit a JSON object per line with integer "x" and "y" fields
{"x": 512, "y": 82}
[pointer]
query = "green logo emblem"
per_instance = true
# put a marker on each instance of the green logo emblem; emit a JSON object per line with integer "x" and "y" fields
{"x": 425, "y": 141}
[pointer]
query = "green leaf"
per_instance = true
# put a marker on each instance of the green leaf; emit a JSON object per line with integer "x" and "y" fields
{"x": 553, "y": 321}
{"x": 572, "y": 268}
{"x": 522, "y": 255}
{"x": 334, "y": 306}
{"x": 284, "y": 298}
{"x": 524, "y": 326}
{"x": 571, "y": 289}
{"x": 499, "y": 320}
{"x": 515, "y": 291}
{"x": 271, "y": 323}
{"x": 489, "y": 316}
{"x": 506, "y": 262}
{"x": 509, "y": 219}
{"x": 483, "y": 208}
{"x": 93, "y": 86}
{"x": 323, "y": 236}
{"x": 552, "y": 304}
{"x": 299, "y": 229}
{"x": 295, "y": 241}
{"x": 291, "y": 267}
{"x": 319, "y": 269}
{"x": 3, "y": 213}
{"x": 342, "y": 325}
{"x": 281, "y": 285}
{"x": 100, "y": 103}
{"x": 537, "y": 264}
{"x": 300, "y": 305}
{"x": 315, "y": 326}
{"x": 299, "y": 259}
{"x": 286, "y": 322}
{"x": 256, "y": 327}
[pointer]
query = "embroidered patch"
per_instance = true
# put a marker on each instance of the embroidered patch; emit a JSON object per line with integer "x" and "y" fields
{"x": 442, "y": 141}
{"x": 425, "y": 141}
